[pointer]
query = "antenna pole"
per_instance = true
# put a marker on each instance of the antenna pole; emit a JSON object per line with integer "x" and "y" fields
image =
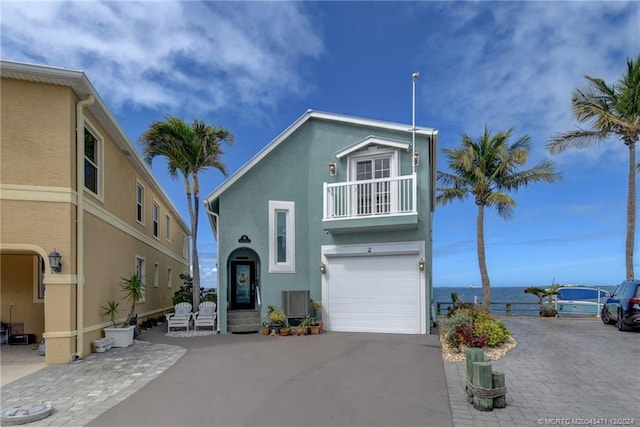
{"x": 414, "y": 79}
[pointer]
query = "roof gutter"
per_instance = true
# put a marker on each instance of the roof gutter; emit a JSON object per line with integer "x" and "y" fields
{"x": 80, "y": 223}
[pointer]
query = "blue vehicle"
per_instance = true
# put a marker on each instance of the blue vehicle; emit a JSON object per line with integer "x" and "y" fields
{"x": 623, "y": 306}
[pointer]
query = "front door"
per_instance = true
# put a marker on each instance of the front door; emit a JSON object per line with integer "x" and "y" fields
{"x": 243, "y": 285}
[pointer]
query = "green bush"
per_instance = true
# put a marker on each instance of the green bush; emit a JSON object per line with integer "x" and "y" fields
{"x": 470, "y": 326}
{"x": 450, "y": 324}
{"x": 496, "y": 331}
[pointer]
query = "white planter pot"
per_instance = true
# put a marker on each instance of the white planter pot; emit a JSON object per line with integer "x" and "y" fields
{"x": 122, "y": 337}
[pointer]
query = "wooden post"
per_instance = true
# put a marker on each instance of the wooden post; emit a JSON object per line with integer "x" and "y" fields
{"x": 472, "y": 355}
{"x": 508, "y": 309}
{"x": 482, "y": 378}
{"x": 498, "y": 381}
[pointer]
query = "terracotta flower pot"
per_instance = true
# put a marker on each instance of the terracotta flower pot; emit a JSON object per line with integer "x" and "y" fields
{"x": 315, "y": 329}
{"x": 265, "y": 330}
{"x": 285, "y": 331}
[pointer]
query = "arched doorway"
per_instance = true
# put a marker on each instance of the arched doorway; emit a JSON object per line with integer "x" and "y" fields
{"x": 243, "y": 283}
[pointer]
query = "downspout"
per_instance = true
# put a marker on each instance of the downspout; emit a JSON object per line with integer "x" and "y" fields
{"x": 80, "y": 224}
{"x": 214, "y": 218}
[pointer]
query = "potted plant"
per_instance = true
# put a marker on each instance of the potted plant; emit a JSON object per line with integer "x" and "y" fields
{"x": 316, "y": 309}
{"x": 265, "y": 328}
{"x": 304, "y": 326}
{"x": 110, "y": 311}
{"x": 123, "y": 336}
{"x": 285, "y": 331}
{"x": 276, "y": 319}
{"x": 314, "y": 326}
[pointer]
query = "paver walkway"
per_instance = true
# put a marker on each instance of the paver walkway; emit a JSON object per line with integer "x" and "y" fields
{"x": 563, "y": 372}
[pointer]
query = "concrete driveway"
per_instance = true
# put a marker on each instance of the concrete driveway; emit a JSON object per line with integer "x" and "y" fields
{"x": 332, "y": 379}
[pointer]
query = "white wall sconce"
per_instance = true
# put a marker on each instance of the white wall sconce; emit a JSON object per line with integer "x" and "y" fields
{"x": 421, "y": 264}
{"x": 54, "y": 261}
{"x": 333, "y": 169}
{"x": 416, "y": 158}
{"x": 323, "y": 268}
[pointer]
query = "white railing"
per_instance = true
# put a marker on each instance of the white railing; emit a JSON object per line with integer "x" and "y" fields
{"x": 370, "y": 198}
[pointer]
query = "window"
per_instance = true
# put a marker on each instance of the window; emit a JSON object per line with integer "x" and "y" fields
{"x": 167, "y": 227}
{"x": 91, "y": 161}
{"x": 156, "y": 220}
{"x": 156, "y": 275}
{"x": 169, "y": 277}
{"x": 185, "y": 246}
{"x": 140, "y": 271}
{"x": 281, "y": 237}
{"x": 140, "y": 203}
{"x": 376, "y": 194}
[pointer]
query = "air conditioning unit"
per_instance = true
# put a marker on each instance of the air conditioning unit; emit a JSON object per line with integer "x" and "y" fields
{"x": 296, "y": 304}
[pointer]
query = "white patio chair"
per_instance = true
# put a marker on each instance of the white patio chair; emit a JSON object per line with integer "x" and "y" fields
{"x": 181, "y": 317}
{"x": 205, "y": 316}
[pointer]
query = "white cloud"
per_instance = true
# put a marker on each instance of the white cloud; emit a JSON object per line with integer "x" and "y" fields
{"x": 516, "y": 64}
{"x": 193, "y": 56}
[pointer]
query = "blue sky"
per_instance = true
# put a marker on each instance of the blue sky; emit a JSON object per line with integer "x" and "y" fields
{"x": 255, "y": 67}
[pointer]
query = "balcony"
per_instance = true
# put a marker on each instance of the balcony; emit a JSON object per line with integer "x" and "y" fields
{"x": 381, "y": 204}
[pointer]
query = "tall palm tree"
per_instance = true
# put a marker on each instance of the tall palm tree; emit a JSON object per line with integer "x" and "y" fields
{"x": 487, "y": 169}
{"x": 189, "y": 149}
{"x": 611, "y": 111}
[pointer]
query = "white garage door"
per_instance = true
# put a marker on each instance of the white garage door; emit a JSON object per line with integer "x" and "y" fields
{"x": 373, "y": 294}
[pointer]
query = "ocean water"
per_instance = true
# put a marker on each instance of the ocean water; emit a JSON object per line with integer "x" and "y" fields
{"x": 499, "y": 294}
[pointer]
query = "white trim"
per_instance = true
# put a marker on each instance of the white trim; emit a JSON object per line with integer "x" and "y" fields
{"x": 100, "y": 164}
{"x": 378, "y": 249}
{"x": 372, "y": 140}
{"x": 290, "y": 265}
{"x": 140, "y": 185}
{"x": 394, "y": 161}
{"x": 37, "y": 193}
{"x": 155, "y": 221}
{"x": 295, "y": 126}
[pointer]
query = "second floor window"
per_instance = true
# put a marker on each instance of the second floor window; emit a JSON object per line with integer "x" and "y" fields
{"x": 140, "y": 203}
{"x": 91, "y": 161}
{"x": 156, "y": 224}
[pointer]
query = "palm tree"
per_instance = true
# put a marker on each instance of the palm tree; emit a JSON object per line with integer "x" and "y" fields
{"x": 612, "y": 111}
{"x": 188, "y": 149}
{"x": 487, "y": 169}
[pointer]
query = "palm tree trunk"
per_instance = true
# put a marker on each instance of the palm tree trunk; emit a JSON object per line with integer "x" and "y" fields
{"x": 194, "y": 247}
{"x": 196, "y": 295}
{"x": 631, "y": 211}
{"x": 486, "y": 285}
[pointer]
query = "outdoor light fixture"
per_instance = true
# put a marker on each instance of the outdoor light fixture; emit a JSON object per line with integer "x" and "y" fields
{"x": 323, "y": 268}
{"x": 54, "y": 261}
{"x": 416, "y": 158}
{"x": 333, "y": 169}
{"x": 421, "y": 264}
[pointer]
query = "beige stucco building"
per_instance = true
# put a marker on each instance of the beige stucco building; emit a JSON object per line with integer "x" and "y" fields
{"x": 58, "y": 136}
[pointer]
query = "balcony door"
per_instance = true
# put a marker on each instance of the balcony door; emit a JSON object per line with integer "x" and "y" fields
{"x": 373, "y": 197}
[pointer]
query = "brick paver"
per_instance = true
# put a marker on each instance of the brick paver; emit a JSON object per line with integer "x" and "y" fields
{"x": 563, "y": 372}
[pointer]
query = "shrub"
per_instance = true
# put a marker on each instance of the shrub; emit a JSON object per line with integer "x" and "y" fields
{"x": 467, "y": 325}
{"x": 450, "y": 324}
{"x": 496, "y": 331}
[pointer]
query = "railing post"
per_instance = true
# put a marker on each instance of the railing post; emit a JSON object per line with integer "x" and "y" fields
{"x": 508, "y": 309}
{"x": 414, "y": 205}
{"x": 324, "y": 200}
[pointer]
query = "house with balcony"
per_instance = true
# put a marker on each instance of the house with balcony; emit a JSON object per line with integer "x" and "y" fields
{"x": 72, "y": 185}
{"x": 339, "y": 209}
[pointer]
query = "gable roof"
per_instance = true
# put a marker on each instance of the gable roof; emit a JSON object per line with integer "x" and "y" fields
{"x": 308, "y": 115}
{"x": 372, "y": 140}
{"x": 78, "y": 81}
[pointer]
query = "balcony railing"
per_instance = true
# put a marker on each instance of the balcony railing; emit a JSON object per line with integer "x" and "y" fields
{"x": 370, "y": 198}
